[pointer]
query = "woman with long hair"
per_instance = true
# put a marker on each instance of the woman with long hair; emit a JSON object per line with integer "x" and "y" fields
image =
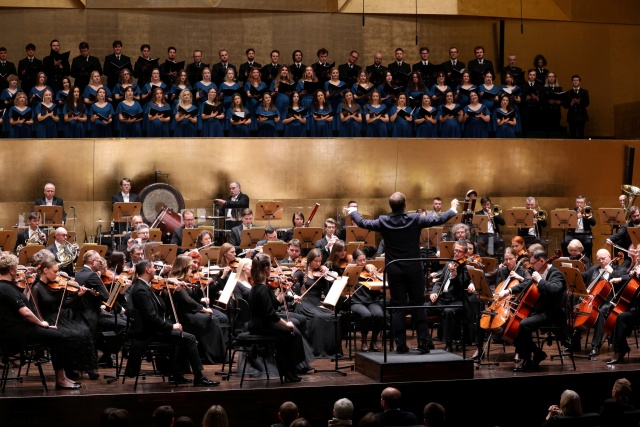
{"x": 35, "y": 97}
{"x": 202, "y": 87}
{"x": 95, "y": 83}
{"x": 48, "y": 119}
{"x": 377, "y": 117}
{"x": 101, "y": 116}
{"x": 153, "y": 83}
{"x": 228, "y": 87}
{"x": 268, "y": 117}
{"x": 125, "y": 80}
{"x": 464, "y": 89}
{"x": 439, "y": 89}
{"x": 181, "y": 83}
{"x": 350, "y": 116}
{"x": 365, "y": 304}
{"x": 306, "y": 95}
{"x": 424, "y": 119}
{"x": 185, "y": 116}
{"x": 504, "y": 119}
{"x": 238, "y": 118}
{"x": 295, "y": 119}
{"x": 400, "y": 118}
{"x": 476, "y": 118}
{"x": 415, "y": 89}
{"x": 130, "y": 116}
{"x": 75, "y": 116}
{"x": 282, "y": 88}
{"x": 158, "y": 114}
{"x": 449, "y": 117}
{"x": 321, "y": 116}
{"x": 211, "y": 122}
{"x": 20, "y": 118}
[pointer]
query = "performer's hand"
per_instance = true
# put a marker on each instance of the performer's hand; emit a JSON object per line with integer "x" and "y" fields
{"x": 616, "y": 280}
{"x": 608, "y": 242}
{"x": 207, "y": 310}
{"x": 536, "y": 276}
{"x": 608, "y": 269}
{"x": 433, "y": 297}
{"x": 81, "y": 291}
{"x": 290, "y": 326}
{"x": 205, "y": 301}
{"x": 177, "y": 327}
{"x": 222, "y": 202}
{"x": 471, "y": 289}
{"x": 504, "y": 293}
{"x": 454, "y": 204}
{"x": 44, "y": 324}
{"x": 351, "y": 209}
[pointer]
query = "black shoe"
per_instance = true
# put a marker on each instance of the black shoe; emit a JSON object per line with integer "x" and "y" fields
{"x": 93, "y": 375}
{"x": 526, "y": 366}
{"x": 424, "y": 349}
{"x": 537, "y": 358}
{"x": 431, "y": 346}
{"x": 402, "y": 349}
{"x": 617, "y": 358}
{"x": 595, "y": 350}
{"x": 106, "y": 361}
{"x": 205, "y": 382}
{"x": 290, "y": 377}
{"x": 179, "y": 379}
{"x": 72, "y": 375}
{"x": 374, "y": 347}
{"x": 75, "y": 386}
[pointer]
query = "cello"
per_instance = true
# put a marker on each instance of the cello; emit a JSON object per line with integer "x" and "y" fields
{"x": 526, "y": 304}
{"x": 499, "y": 312}
{"x": 599, "y": 289}
{"x": 624, "y": 301}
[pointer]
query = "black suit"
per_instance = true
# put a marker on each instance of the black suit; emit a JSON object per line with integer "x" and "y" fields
{"x": 55, "y": 74}
{"x": 401, "y": 234}
{"x": 66, "y": 269}
{"x": 269, "y": 73}
{"x": 428, "y": 72}
{"x": 577, "y": 114}
{"x": 453, "y": 73}
{"x": 243, "y": 72}
{"x": 27, "y": 72}
{"x": 81, "y": 69}
{"x": 376, "y": 74}
{"x": 6, "y": 68}
{"x": 349, "y": 73}
{"x": 622, "y": 239}
{"x": 113, "y": 66}
{"x": 23, "y": 236}
{"x": 396, "y": 417}
{"x": 322, "y": 71}
{"x": 531, "y": 110}
{"x": 484, "y": 240}
{"x": 157, "y": 326}
{"x": 241, "y": 202}
{"x": 219, "y": 72}
{"x": 477, "y": 70}
{"x": 236, "y": 236}
{"x": 584, "y": 237}
{"x": 194, "y": 72}
{"x": 117, "y": 198}
{"x": 297, "y": 72}
{"x": 400, "y": 72}
{"x": 57, "y": 201}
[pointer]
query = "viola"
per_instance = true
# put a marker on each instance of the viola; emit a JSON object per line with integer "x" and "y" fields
{"x": 370, "y": 272}
{"x": 159, "y": 283}
{"x": 23, "y": 278}
{"x": 199, "y": 279}
{"x": 346, "y": 261}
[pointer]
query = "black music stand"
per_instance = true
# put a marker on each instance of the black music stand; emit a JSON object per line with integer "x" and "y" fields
{"x": 123, "y": 212}
{"x": 357, "y": 234}
{"x": 161, "y": 252}
{"x": 50, "y": 216}
{"x": 308, "y": 236}
{"x": 519, "y": 218}
{"x": 190, "y": 238}
{"x": 564, "y": 219}
{"x": 269, "y": 209}
{"x": 480, "y": 223}
{"x": 615, "y": 217}
{"x": 576, "y": 290}
{"x": 431, "y": 237}
{"x": 251, "y": 236}
{"x": 485, "y": 295}
{"x": 8, "y": 240}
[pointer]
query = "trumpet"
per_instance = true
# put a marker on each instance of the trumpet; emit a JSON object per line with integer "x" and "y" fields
{"x": 496, "y": 210}
{"x": 541, "y": 214}
{"x": 587, "y": 211}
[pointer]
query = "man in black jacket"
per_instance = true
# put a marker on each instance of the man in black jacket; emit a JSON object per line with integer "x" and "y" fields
{"x": 233, "y": 204}
{"x": 115, "y": 63}
{"x": 56, "y": 66}
{"x": 392, "y": 415}
{"x": 50, "y": 199}
{"x": 83, "y": 65}
{"x": 28, "y": 69}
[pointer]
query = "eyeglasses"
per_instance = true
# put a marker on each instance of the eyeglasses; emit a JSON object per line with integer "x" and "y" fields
{"x": 602, "y": 259}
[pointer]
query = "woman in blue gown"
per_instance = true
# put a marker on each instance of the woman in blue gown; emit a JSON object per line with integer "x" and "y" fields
{"x": 350, "y": 116}
{"x": 439, "y": 89}
{"x": 202, "y": 87}
{"x": 148, "y": 87}
{"x": 211, "y": 118}
{"x": 295, "y": 121}
{"x": 124, "y": 81}
{"x": 333, "y": 90}
{"x": 185, "y": 116}
{"x": 489, "y": 92}
{"x": 513, "y": 91}
{"x": 130, "y": 116}
{"x": 464, "y": 89}
{"x": 388, "y": 91}
{"x": 377, "y": 117}
{"x": 7, "y": 98}
{"x": 267, "y": 116}
{"x": 158, "y": 115}
{"x": 181, "y": 83}
{"x": 449, "y": 116}
{"x": 400, "y": 118}
{"x": 281, "y": 90}
{"x": 35, "y": 97}
{"x": 254, "y": 89}
{"x": 61, "y": 100}
{"x": 47, "y": 116}
{"x": 504, "y": 119}
{"x": 320, "y": 116}
{"x": 424, "y": 119}
{"x": 101, "y": 115}
{"x": 415, "y": 90}
{"x": 475, "y": 118}
{"x": 74, "y": 115}
{"x": 90, "y": 91}
{"x": 20, "y": 118}
{"x": 306, "y": 97}
{"x": 238, "y": 118}
{"x": 228, "y": 87}
{"x": 361, "y": 93}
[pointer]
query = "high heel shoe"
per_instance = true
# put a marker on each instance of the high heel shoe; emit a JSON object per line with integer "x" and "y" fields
{"x": 374, "y": 346}
{"x": 617, "y": 358}
{"x": 364, "y": 347}
{"x": 291, "y": 378}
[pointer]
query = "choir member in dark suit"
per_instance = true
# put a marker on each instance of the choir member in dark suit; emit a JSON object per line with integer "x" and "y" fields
{"x": 83, "y": 65}
{"x": 125, "y": 196}
{"x": 243, "y": 72}
{"x": 115, "y": 63}
{"x": 169, "y": 68}
{"x": 219, "y": 70}
{"x": 322, "y": 68}
{"x": 50, "y": 199}
{"x": 453, "y": 68}
{"x": 516, "y": 72}
{"x": 269, "y": 72}
{"x": 297, "y": 68}
{"x": 6, "y": 68}
{"x": 399, "y": 69}
{"x": 144, "y": 66}
{"x": 577, "y": 101}
{"x": 426, "y": 68}
{"x": 28, "y": 69}
{"x": 350, "y": 71}
{"x": 376, "y": 71}
{"x": 478, "y": 66}
{"x": 531, "y": 107}
{"x": 56, "y": 66}
{"x": 552, "y": 103}
{"x": 236, "y": 201}
{"x": 539, "y": 63}
{"x": 194, "y": 70}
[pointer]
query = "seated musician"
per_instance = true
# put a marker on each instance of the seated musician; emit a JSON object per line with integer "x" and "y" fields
{"x": 458, "y": 232}
{"x": 188, "y": 221}
{"x": 31, "y": 234}
{"x": 549, "y": 309}
{"x": 338, "y": 258}
{"x": 583, "y": 232}
{"x": 325, "y": 244}
{"x": 437, "y": 207}
{"x": 136, "y": 254}
{"x": 236, "y": 232}
{"x": 533, "y": 234}
{"x": 50, "y": 199}
{"x": 136, "y": 220}
{"x": 519, "y": 248}
{"x": 575, "y": 250}
{"x": 617, "y": 277}
{"x": 621, "y": 239}
{"x": 157, "y": 326}
{"x": 64, "y": 251}
{"x": 270, "y": 235}
{"x": 205, "y": 238}
{"x": 449, "y": 291}
{"x": 228, "y": 262}
{"x": 297, "y": 220}
{"x": 490, "y": 243}
{"x": 365, "y": 303}
{"x": 626, "y": 322}
{"x": 20, "y": 326}
{"x": 294, "y": 257}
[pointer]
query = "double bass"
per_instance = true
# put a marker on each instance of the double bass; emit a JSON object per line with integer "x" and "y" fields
{"x": 599, "y": 289}
{"x": 526, "y": 304}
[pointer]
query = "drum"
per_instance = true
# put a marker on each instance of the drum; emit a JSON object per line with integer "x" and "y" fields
{"x": 161, "y": 204}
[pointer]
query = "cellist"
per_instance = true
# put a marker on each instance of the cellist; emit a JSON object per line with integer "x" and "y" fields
{"x": 548, "y": 309}
{"x": 625, "y": 323}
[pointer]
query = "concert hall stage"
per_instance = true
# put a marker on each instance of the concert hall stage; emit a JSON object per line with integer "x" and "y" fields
{"x": 490, "y": 396}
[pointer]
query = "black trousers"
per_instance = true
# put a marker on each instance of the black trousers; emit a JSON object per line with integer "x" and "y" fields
{"x": 408, "y": 289}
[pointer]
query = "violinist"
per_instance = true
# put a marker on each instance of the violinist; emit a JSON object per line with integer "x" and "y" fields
{"x": 20, "y": 326}
{"x": 294, "y": 253}
{"x": 326, "y": 243}
{"x": 297, "y": 220}
{"x": 365, "y": 303}
{"x": 157, "y": 326}
{"x": 583, "y": 232}
{"x": 243, "y": 285}
{"x": 490, "y": 244}
{"x": 78, "y": 342}
{"x": 228, "y": 262}
{"x": 338, "y": 258}
{"x": 136, "y": 253}
{"x": 621, "y": 238}
{"x": 320, "y": 328}
{"x": 549, "y": 309}
{"x": 519, "y": 248}
{"x": 449, "y": 291}
{"x": 265, "y": 321}
{"x": 195, "y": 318}
{"x": 617, "y": 277}
{"x": 270, "y": 235}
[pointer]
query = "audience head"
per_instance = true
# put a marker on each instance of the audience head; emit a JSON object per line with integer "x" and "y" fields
{"x": 370, "y": 420}
{"x": 570, "y": 403}
{"x": 215, "y": 417}
{"x": 390, "y": 398}
{"x": 184, "y": 422}
{"x": 115, "y": 417}
{"x": 300, "y": 422}
{"x": 288, "y": 413}
{"x": 343, "y": 409}
{"x": 621, "y": 390}
{"x": 433, "y": 415}
{"x": 163, "y": 416}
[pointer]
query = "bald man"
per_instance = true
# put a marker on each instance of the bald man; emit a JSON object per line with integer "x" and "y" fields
{"x": 392, "y": 415}
{"x": 50, "y": 199}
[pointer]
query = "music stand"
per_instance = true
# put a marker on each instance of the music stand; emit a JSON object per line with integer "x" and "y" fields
{"x": 431, "y": 236}
{"x": 123, "y": 212}
{"x": 209, "y": 254}
{"x": 451, "y": 222}
{"x": 379, "y": 263}
{"x": 612, "y": 216}
{"x": 308, "y": 236}
{"x": 353, "y": 273}
{"x": 489, "y": 263}
{"x": 634, "y": 233}
{"x": 480, "y": 223}
{"x": 26, "y": 254}
{"x": 71, "y": 235}
{"x": 576, "y": 290}
{"x": 161, "y": 252}
{"x": 357, "y": 234}
{"x": 190, "y": 238}
{"x": 50, "y": 216}
{"x": 276, "y": 250}
{"x": 8, "y": 240}
{"x": 446, "y": 251}
{"x": 101, "y": 249}
{"x": 565, "y": 261}
{"x": 251, "y": 236}
{"x": 519, "y": 218}
{"x": 564, "y": 219}
{"x": 269, "y": 209}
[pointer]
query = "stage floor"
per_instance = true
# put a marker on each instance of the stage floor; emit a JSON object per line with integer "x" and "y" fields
{"x": 27, "y": 404}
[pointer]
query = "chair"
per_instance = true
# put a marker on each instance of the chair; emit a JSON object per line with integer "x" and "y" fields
{"x": 554, "y": 333}
{"x": 153, "y": 350}
{"x": 23, "y": 357}
{"x": 248, "y": 343}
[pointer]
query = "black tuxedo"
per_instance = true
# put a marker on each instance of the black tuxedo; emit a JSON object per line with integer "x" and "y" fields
{"x": 396, "y": 417}
{"x": 219, "y": 72}
{"x": 66, "y": 269}
{"x": 23, "y": 236}
{"x": 477, "y": 70}
{"x": 516, "y": 72}
{"x": 55, "y": 74}
{"x": 484, "y": 241}
{"x": 531, "y": 110}
{"x": 621, "y": 238}
{"x": 322, "y": 246}
{"x": 81, "y": 69}
{"x": 166, "y": 77}
{"x": 236, "y": 236}
{"x": 349, "y": 73}
{"x": 241, "y": 202}
{"x": 269, "y": 73}
{"x": 6, "y": 69}
{"x": 376, "y": 74}
{"x": 117, "y": 198}
{"x": 297, "y": 72}
{"x": 322, "y": 71}
{"x": 452, "y": 73}
{"x": 194, "y": 72}
{"x": 243, "y": 72}
{"x": 584, "y": 237}
{"x": 57, "y": 201}
{"x": 113, "y": 66}
{"x": 27, "y": 72}
{"x": 577, "y": 113}
{"x": 400, "y": 72}
{"x": 428, "y": 72}
{"x": 451, "y": 293}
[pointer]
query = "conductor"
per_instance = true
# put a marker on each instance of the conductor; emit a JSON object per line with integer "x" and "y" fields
{"x": 401, "y": 234}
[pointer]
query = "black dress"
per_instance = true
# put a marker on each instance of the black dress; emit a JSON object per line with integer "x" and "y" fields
{"x": 265, "y": 321}
{"x": 79, "y": 349}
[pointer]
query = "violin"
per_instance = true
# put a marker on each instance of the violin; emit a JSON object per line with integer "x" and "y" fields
{"x": 108, "y": 277}
{"x": 199, "y": 279}
{"x": 62, "y": 283}
{"x": 23, "y": 278}
{"x": 346, "y": 261}
{"x": 370, "y": 272}
{"x": 159, "y": 283}
{"x": 233, "y": 264}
